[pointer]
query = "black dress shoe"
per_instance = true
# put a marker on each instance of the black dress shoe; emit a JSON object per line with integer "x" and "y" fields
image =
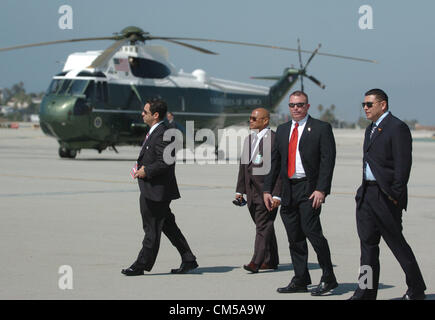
{"x": 420, "y": 296}
{"x": 292, "y": 288}
{"x": 251, "y": 267}
{"x": 132, "y": 271}
{"x": 323, "y": 288}
{"x": 185, "y": 267}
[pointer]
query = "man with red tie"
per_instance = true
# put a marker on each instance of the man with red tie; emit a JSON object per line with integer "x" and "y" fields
{"x": 304, "y": 156}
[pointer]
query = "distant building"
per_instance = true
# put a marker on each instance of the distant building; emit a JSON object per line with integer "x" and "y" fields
{"x": 34, "y": 118}
{"x": 6, "y": 110}
{"x": 421, "y": 127}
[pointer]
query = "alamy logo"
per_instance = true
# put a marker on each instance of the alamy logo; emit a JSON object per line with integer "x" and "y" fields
{"x": 366, "y": 20}
{"x": 365, "y": 280}
{"x": 66, "y": 20}
{"x": 66, "y": 280}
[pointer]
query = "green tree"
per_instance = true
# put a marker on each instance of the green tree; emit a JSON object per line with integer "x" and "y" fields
{"x": 329, "y": 116}
{"x": 320, "y": 108}
{"x": 363, "y": 122}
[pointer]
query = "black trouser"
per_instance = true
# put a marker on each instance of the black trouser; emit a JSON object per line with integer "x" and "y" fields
{"x": 265, "y": 247}
{"x": 157, "y": 217}
{"x": 378, "y": 216}
{"x": 302, "y": 221}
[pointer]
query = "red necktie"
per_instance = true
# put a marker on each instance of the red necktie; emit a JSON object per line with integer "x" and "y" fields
{"x": 291, "y": 165}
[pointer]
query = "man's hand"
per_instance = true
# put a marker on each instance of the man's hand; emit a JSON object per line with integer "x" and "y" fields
{"x": 318, "y": 198}
{"x": 268, "y": 201}
{"x": 239, "y": 197}
{"x": 275, "y": 203}
{"x": 140, "y": 173}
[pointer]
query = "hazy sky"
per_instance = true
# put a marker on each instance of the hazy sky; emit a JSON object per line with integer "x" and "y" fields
{"x": 401, "y": 40}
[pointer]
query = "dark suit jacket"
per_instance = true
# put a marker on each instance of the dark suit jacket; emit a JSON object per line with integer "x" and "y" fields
{"x": 317, "y": 151}
{"x": 389, "y": 154}
{"x": 252, "y": 184}
{"x": 160, "y": 183}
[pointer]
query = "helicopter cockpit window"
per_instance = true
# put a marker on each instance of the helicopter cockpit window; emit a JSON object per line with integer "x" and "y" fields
{"x": 54, "y": 86}
{"x": 146, "y": 68}
{"x": 65, "y": 86}
{"x": 78, "y": 86}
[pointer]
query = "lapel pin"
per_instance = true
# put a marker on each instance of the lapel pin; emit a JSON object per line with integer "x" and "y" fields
{"x": 379, "y": 129}
{"x": 309, "y": 128}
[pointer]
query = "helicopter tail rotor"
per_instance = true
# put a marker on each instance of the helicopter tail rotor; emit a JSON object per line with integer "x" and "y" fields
{"x": 300, "y": 73}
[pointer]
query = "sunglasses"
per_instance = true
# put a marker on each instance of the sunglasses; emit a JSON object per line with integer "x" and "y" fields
{"x": 299, "y": 104}
{"x": 254, "y": 118}
{"x": 368, "y": 104}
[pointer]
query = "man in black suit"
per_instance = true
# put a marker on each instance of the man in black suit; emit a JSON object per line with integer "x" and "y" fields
{"x": 383, "y": 194}
{"x": 304, "y": 157}
{"x": 158, "y": 187}
{"x": 254, "y": 163}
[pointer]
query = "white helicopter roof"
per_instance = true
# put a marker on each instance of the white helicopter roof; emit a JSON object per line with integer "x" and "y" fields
{"x": 80, "y": 61}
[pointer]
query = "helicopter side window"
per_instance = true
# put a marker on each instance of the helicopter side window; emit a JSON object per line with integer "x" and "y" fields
{"x": 90, "y": 91}
{"x": 96, "y": 91}
{"x": 78, "y": 86}
{"x": 101, "y": 91}
{"x": 146, "y": 68}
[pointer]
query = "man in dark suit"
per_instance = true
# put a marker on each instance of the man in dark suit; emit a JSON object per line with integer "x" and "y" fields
{"x": 158, "y": 187}
{"x": 255, "y": 157}
{"x": 304, "y": 157}
{"x": 387, "y": 158}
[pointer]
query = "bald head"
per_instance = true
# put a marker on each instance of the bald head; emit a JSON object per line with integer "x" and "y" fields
{"x": 259, "y": 119}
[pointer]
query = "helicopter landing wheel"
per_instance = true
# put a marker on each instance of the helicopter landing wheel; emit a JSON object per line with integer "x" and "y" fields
{"x": 67, "y": 153}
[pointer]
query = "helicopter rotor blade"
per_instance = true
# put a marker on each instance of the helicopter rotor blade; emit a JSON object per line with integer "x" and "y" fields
{"x": 312, "y": 56}
{"x": 261, "y": 46}
{"x": 188, "y": 46}
{"x": 321, "y": 85}
{"x": 104, "y": 57}
{"x": 57, "y": 42}
{"x": 300, "y": 54}
{"x": 266, "y": 78}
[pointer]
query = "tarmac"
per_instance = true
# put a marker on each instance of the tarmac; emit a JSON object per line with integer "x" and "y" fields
{"x": 84, "y": 214}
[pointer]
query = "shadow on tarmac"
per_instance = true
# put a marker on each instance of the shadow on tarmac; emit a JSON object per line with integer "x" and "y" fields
{"x": 289, "y": 267}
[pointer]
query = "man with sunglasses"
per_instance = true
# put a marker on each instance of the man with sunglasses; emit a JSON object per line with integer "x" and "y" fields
{"x": 304, "y": 157}
{"x": 254, "y": 164}
{"x": 382, "y": 196}
{"x": 158, "y": 187}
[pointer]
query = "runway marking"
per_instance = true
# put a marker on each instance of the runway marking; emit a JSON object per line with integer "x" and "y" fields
{"x": 130, "y": 182}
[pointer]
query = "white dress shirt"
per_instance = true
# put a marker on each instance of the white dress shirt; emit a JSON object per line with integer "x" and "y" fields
{"x": 260, "y": 136}
{"x": 369, "y": 174}
{"x": 154, "y": 127}
{"x": 254, "y": 147}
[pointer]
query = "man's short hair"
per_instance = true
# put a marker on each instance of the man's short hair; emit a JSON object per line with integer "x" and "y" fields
{"x": 298, "y": 93}
{"x": 379, "y": 94}
{"x": 159, "y": 106}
